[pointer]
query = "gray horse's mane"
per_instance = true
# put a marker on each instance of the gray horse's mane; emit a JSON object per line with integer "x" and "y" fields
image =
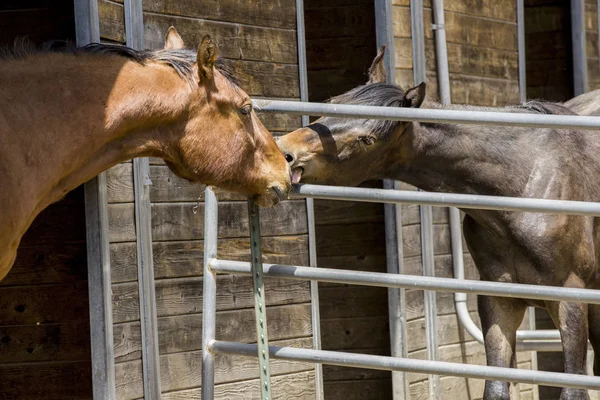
{"x": 181, "y": 60}
{"x": 388, "y": 95}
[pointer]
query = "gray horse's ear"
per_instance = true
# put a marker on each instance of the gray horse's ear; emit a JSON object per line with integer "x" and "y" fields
{"x": 414, "y": 96}
{"x": 172, "y": 40}
{"x": 206, "y": 58}
{"x": 377, "y": 72}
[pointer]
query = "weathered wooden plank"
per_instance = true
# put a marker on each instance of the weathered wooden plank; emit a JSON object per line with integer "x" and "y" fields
{"x": 499, "y": 9}
{"x": 477, "y": 90}
{"x": 233, "y": 40}
{"x": 443, "y": 266}
{"x": 48, "y": 264}
{"x": 312, "y": 4}
{"x": 184, "y": 221}
{"x": 181, "y": 371}
{"x": 184, "y": 333}
{"x": 266, "y": 79}
{"x": 184, "y": 296}
{"x": 119, "y": 183}
{"x": 352, "y": 239}
{"x": 38, "y": 381}
{"x": 299, "y": 386}
{"x": 444, "y": 304}
{"x": 380, "y": 389}
{"x": 184, "y": 259}
{"x": 352, "y": 301}
{"x": 274, "y": 14}
{"x": 335, "y": 22}
{"x": 24, "y": 305}
{"x": 355, "y": 333}
{"x": 46, "y": 342}
{"x": 332, "y": 82}
{"x": 59, "y": 224}
{"x": 127, "y": 341}
{"x": 112, "y": 21}
{"x": 333, "y": 373}
{"x": 331, "y": 53}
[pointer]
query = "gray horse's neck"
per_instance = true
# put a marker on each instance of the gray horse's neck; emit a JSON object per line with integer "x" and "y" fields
{"x": 467, "y": 159}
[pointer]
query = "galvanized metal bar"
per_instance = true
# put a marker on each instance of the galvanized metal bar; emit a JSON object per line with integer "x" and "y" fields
{"x": 310, "y": 204}
{"x": 414, "y": 365}
{"x": 260, "y": 306}
{"x": 134, "y": 24}
{"x": 580, "y": 77}
{"x": 418, "y": 41}
{"x": 430, "y": 115}
{"x": 522, "y": 49}
{"x": 479, "y": 202}
{"x": 384, "y": 32}
{"x": 209, "y": 306}
{"x": 381, "y": 279}
{"x": 87, "y": 30}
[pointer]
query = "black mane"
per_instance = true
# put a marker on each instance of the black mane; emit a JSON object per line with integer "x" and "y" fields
{"x": 181, "y": 60}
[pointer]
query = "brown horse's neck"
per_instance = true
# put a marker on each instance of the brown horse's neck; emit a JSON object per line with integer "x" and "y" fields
{"x": 99, "y": 115}
{"x": 463, "y": 159}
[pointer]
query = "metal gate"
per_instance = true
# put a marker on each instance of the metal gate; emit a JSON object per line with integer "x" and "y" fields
{"x": 213, "y": 265}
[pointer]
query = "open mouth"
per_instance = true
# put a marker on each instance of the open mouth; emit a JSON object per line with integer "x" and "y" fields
{"x": 297, "y": 174}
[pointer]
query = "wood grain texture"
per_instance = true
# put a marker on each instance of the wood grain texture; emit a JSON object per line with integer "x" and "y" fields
{"x": 184, "y": 221}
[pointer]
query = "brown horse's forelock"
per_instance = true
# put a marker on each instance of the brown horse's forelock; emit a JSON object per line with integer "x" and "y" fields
{"x": 181, "y": 60}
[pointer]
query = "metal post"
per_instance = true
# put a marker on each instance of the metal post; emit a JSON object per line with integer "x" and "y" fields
{"x": 260, "y": 306}
{"x": 393, "y": 219}
{"x": 87, "y": 30}
{"x": 310, "y": 205}
{"x": 580, "y": 78}
{"x": 209, "y": 306}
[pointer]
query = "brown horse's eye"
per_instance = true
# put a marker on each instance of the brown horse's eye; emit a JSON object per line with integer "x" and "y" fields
{"x": 368, "y": 140}
{"x": 246, "y": 110}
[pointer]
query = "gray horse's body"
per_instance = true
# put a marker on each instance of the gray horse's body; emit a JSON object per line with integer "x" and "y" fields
{"x": 519, "y": 247}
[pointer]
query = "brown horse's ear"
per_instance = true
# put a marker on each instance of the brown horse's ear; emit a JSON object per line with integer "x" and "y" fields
{"x": 207, "y": 57}
{"x": 377, "y": 72}
{"x": 414, "y": 96}
{"x": 172, "y": 40}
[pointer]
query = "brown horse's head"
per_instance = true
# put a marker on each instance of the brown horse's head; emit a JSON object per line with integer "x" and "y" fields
{"x": 222, "y": 142}
{"x": 341, "y": 151}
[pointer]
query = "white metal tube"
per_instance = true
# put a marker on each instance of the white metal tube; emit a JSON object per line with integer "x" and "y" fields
{"x": 209, "y": 306}
{"x": 465, "y": 201}
{"x": 413, "y": 365}
{"x": 381, "y": 279}
{"x": 430, "y": 115}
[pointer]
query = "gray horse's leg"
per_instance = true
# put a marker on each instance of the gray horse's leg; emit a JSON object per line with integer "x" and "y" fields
{"x": 572, "y": 322}
{"x": 500, "y": 319}
{"x": 594, "y": 329}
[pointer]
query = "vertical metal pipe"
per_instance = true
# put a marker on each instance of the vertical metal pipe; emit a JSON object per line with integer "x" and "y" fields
{"x": 260, "y": 306}
{"x": 209, "y": 306}
{"x": 310, "y": 204}
{"x": 393, "y": 218}
{"x": 87, "y": 30}
{"x": 427, "y": 252}
{"x": 580, "y": 78}
{"x": 521, "y": 51}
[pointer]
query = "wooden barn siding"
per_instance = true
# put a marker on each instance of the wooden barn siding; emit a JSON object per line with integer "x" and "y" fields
{"x": 483, "y": 66}
{"x": 262, "y": 50}
{"x": 44, "y": 317}
{"x": 591, "y": 37}
{"x": 340, "y": 42}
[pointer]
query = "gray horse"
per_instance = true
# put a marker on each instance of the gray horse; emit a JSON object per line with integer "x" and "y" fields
{"x": 519, "y": 247}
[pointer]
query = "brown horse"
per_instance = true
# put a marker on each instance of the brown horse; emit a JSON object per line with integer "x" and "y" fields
{"x": 67, "y": 116}
{"x": 519, "y": 247}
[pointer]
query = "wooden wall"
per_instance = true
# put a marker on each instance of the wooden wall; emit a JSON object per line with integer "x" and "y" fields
{"x": 340, "y": 42}
{"x": 44, "y": 317}
{"x": 591, "y": 37}
{"x": 259, "y": 40}
{"x": 483, "y": 66}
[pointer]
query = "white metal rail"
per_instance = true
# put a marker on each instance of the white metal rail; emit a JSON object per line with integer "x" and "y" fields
{"x": 213, "y": 265}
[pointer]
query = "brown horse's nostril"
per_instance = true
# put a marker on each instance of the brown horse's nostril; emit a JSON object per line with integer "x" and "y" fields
{"x": 289, "y": 158}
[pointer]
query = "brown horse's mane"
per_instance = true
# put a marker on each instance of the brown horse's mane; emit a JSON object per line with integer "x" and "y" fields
{"x": 181, "y": 60}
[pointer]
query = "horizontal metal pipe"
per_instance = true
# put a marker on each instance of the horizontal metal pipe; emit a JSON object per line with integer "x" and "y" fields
{"x": 479, "y": 202}
{"x": 412, "y": 365}
{"x": 429, "y": 115}
{"x": 517, "y": 290}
